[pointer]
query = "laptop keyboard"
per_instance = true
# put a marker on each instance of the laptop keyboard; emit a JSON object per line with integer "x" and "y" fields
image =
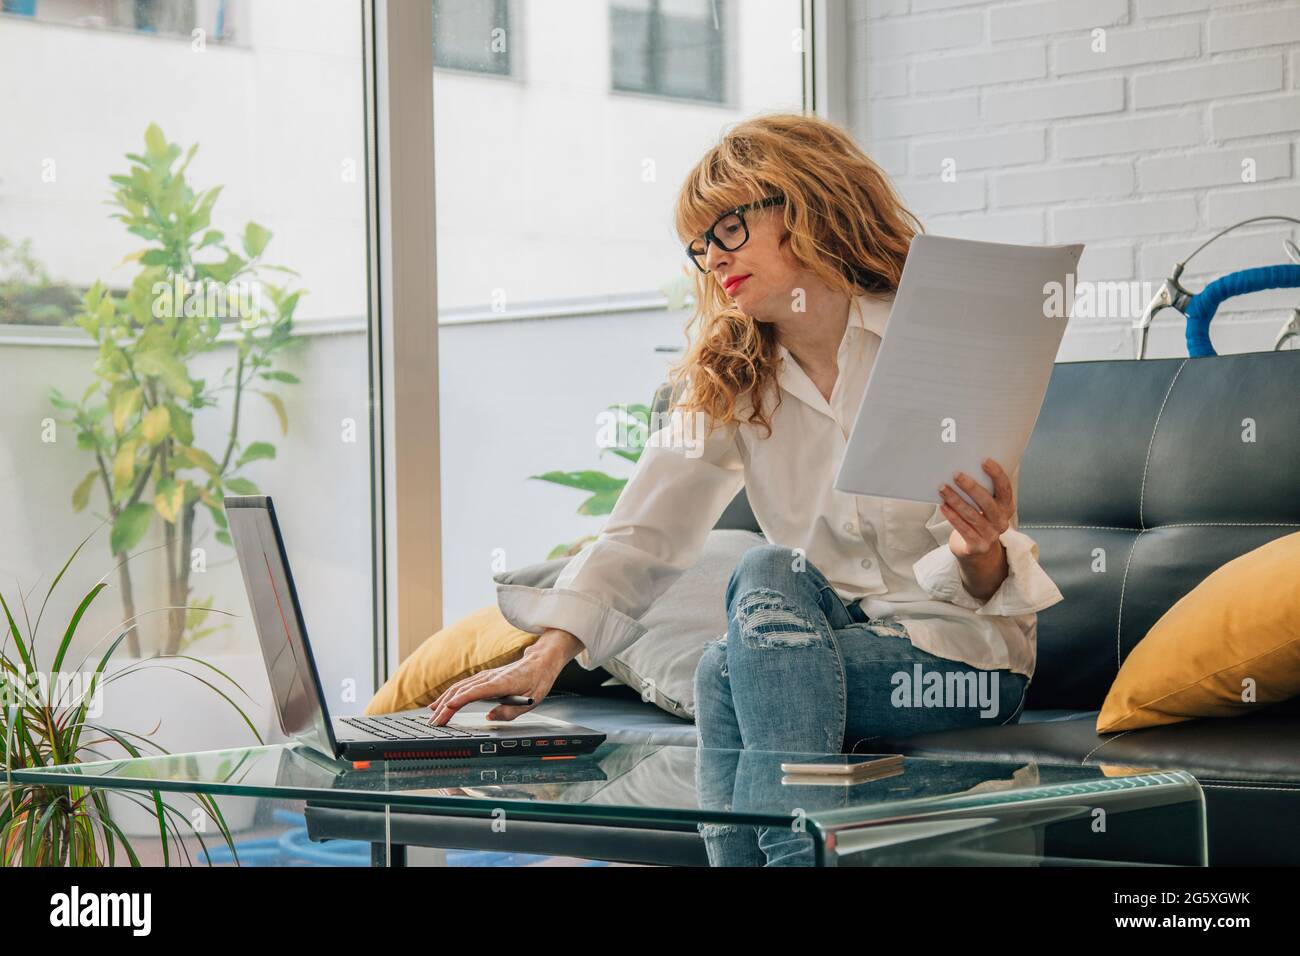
{"x": 390, "y": 727}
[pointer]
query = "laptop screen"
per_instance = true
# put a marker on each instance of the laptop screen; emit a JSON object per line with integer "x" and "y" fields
{"x": 278, "y": 619}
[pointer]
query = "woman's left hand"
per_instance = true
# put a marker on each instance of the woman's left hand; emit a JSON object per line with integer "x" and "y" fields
{"x": 976, "y": 531}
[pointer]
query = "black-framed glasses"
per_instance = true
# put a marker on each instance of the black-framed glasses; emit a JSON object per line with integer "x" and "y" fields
{"x": 729, "y": 231}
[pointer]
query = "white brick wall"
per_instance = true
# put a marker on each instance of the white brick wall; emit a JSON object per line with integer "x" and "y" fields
{"x": 1136, "y": 126}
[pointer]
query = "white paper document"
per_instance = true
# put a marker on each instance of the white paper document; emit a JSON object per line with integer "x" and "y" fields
{"x": 963, "y": 368}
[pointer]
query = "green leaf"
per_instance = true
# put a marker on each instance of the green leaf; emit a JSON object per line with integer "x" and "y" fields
{"x": 182, "y": 423}
{"x": 169, "y": 499}
{"x": 157, "y": 424}
{"x": 81, "y": 495}
{"x": 278, "y": 404}
{"x": 202, "y": 214}
{"x": 197, "y": 458}
{"x": 224, "y": 538}
{"x": 222, "y": 272}
{"x": 198, "y": 612}
{"x": 255, "y": 452}
{"x": 130, "y": 527}
{"x": 584, "y": 480}
{"x": 155, "y": 142}
{"x": 125, "y": 403}
{"x": 287, "y": 377}
{"x": 288, "y": 305}
{"x": 167, "y": 367}
{"x": 124, "y": 468}
{"x": 255, "y": 239}
{"x": 241, "y": 486}
{"x": 599, "y": 504}
{"x": 217, "y": 511}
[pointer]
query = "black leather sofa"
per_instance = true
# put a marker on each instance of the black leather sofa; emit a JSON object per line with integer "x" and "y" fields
{"x": 1145, "y": 460}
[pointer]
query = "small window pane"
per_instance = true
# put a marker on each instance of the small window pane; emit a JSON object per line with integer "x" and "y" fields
{"x": 669, "y": 47}
{"x": 472, "y": 35}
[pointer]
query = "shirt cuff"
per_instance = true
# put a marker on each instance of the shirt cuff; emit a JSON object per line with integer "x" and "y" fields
{"x": 1026, "y": 589}
{"x": 604, "y": 631}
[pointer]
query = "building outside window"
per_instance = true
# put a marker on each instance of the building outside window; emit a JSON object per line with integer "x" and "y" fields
{"x": 670, "y": 48}
{"x": 473, "y": 35}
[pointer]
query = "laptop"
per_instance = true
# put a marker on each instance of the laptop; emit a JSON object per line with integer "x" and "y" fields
{"x": 300, "y": 698}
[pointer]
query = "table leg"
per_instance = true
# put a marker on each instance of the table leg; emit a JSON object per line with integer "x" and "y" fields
{"x": 395, "y": 855}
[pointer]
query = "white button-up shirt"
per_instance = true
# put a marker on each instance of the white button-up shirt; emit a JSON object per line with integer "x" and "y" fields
{"x": 890, "y": 552}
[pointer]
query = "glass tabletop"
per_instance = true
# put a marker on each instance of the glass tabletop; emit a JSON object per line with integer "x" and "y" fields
{"x": 641, "y": 784}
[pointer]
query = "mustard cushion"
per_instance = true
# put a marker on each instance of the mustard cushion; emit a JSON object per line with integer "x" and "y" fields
{"x": 1240, "y": 625}
{"x": 477, "y": 642}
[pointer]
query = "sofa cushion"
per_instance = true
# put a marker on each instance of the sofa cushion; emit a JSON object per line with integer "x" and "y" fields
{"x": 661, "y": 665}
{"x": 1238, "y": 629}
{"x": 476, "y": 642}
{"x": 1259, "y": 748}
{"x": 692, "y": 612}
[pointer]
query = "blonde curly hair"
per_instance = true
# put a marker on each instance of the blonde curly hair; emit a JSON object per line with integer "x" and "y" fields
{"x": 846, "y": 225}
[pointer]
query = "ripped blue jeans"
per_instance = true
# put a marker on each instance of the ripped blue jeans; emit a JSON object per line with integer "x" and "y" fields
{"x": 800, "y": 671}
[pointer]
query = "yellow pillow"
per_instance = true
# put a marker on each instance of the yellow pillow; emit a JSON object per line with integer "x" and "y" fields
{"x": 1241, "y": 624}
{"x": 476, "y": 642}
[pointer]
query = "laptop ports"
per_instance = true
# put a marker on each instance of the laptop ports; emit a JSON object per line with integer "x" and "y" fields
{"x": 507, "y": 744}
{"x": 487, "y": 748}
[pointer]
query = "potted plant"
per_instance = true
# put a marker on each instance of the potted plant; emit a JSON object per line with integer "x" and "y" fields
{"x": 634, "y": 426}
{"x": 48, "y": 718}
{"x": 137, "y": 418}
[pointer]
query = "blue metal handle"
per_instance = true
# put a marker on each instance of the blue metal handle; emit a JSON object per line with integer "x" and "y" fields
{"x": 1201, "y": 309}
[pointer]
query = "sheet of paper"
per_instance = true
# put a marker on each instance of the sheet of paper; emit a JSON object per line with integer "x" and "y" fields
{"x": 961, "y": 373}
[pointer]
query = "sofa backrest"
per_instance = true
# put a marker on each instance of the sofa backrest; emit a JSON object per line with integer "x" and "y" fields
{"x": 1140, "y": 479}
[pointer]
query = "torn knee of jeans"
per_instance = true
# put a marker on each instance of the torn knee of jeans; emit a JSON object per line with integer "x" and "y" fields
{"x": 767, "y": 619}
{"x": 721, "y": 645}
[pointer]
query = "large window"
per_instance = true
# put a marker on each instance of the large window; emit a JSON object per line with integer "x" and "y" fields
{"x": 183, "y": 264}
{"x": 557, "y": 260}
{"x": 670, "y": 47}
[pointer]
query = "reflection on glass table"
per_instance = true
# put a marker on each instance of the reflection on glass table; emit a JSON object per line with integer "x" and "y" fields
{"x": 929, "y": 811}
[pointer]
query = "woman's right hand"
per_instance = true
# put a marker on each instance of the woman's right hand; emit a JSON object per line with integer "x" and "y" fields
{"x": 532, "y": 675}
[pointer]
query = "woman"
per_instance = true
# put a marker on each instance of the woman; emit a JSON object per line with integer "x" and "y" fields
{"x": 862, "y": 617}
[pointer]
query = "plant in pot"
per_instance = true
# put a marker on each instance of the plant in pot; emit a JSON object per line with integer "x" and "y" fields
{"x": 136, "y": 419}
{"x": 193, "y": 291}
{"x": 634, "y": 423}
{"x": 49, "y": 718}
{"x": 634, "y": 428}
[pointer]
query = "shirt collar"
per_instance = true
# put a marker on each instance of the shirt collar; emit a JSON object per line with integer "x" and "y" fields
{"x": 865, "y": 312}
{"x": 872, "y": 312}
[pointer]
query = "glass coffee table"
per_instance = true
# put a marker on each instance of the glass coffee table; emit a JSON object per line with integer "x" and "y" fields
{"x": 642, "y": 803}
